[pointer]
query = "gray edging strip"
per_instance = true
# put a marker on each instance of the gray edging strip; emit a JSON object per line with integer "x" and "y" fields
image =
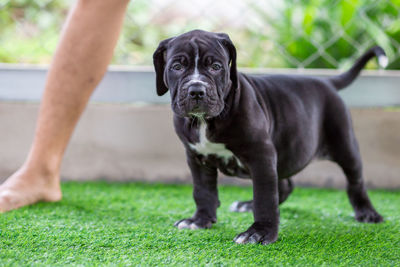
{"x": 137, "y": 84}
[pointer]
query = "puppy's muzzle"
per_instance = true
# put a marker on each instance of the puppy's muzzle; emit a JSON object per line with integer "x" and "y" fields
{"x": 197, "y": 91}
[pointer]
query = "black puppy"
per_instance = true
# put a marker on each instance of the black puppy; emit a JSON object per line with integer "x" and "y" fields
{"x": 266, "y": 128}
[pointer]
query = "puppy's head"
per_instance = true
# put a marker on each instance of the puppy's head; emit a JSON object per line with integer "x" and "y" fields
{"x": 199, "y": 69}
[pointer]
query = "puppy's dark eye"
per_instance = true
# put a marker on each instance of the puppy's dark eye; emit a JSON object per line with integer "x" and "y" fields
{"x": 177, "y": 66}
{"x": 216, "y": 67}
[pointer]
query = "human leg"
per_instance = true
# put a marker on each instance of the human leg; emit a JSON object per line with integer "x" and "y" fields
{"x": 80, "y": 61}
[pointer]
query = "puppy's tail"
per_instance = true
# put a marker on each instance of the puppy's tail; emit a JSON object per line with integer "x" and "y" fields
{"x": 345, "y": 79}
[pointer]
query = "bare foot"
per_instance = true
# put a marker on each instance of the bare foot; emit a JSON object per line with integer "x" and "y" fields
{"x": 28, "y": 187}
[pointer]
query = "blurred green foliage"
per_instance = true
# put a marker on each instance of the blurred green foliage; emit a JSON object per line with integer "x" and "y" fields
{"x": 329, "y": 34}
{"x": 297, "y": 34}
{"x": 29, "y": 29}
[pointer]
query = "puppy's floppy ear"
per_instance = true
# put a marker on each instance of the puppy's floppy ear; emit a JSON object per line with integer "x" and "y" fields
{"x": 159, "y": 66}
{"x": 227, "y": 43}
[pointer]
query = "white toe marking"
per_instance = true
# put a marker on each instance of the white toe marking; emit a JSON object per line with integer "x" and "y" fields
{"x": 193, "y": 226}
{"x": 383, "y": 61}
{"x": 183, "y": 225}
{"x": 240, "y": 240}
{"x": 243, "y": 208}
{"x": 234, "y": 206}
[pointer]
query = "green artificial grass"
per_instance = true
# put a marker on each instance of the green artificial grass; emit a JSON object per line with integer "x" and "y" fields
{"x": 99, "y": 223}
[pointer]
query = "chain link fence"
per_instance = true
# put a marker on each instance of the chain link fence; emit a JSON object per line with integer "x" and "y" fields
{"x": 267, "y": 34}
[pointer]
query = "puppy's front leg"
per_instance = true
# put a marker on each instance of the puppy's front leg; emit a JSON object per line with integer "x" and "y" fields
{"x": 262, "y": 165}
{"x": 205, "y": 195}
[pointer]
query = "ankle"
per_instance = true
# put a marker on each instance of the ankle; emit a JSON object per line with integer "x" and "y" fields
{"x": 40, "y": 173}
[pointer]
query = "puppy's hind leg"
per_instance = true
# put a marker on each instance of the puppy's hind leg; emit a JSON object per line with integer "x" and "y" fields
{"x": 285, "y": 187}
{"x": 357, "y": 193}
{"x": 343, "y": 149}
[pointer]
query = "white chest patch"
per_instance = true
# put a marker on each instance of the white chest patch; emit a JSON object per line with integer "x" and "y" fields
{"x": 205, "y": 147}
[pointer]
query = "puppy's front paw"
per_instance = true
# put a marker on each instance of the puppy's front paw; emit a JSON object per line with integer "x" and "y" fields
{"x": 257, "y": 233}
{"x": 368, "y": 215}
{"x": 193, "y": 224}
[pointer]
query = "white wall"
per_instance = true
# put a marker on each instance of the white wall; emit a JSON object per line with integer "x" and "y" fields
{"x": 126, "y": 142}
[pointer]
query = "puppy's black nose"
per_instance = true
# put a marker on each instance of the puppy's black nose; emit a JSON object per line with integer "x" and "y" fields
{"x": 197, "y": 91}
